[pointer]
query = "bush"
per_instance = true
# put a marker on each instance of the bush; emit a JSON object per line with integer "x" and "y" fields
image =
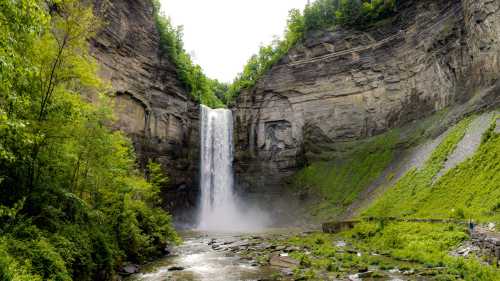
{"x": 47, "y": 262}
{"x": 10, "y": 270}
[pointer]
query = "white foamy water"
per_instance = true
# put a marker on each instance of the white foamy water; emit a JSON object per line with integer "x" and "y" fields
{"x": 220, "y": 209}
{"x": 202, "y": 263}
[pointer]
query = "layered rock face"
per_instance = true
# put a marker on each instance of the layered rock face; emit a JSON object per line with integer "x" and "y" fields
{"x": 344, "y": 85}
{"x": 150, "y": 102}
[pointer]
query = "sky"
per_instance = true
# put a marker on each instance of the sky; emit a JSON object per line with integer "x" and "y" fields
{"x": 221, "y": 35}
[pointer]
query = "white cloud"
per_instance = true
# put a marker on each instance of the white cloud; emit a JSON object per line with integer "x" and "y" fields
{"x": 223, "y": 34}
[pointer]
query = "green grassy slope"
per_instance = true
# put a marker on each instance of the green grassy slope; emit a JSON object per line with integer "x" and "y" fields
{"x": 339, "y": 173}
{"x": 470, "y": 190}
{"x": 338, "y": 182}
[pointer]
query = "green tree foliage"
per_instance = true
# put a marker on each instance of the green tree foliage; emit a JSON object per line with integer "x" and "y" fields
{"x": 197, "y": 83}
{"x": 349, "y": 13}
{"x": 322, "y": 14}
{"x": 73, "y": 205}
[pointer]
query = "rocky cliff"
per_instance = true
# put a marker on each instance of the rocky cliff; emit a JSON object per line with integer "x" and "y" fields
{"x": 150, "y": 102}
{"x": 341, "y": 86}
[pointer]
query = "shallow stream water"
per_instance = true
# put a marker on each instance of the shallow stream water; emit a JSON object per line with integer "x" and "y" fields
{"x": 202, "y": 263}
{"x": 213, "y": 257}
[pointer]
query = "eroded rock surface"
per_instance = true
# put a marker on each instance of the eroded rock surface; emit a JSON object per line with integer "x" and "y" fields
{"x": 344, "y": 85}
{"x": 151, "y": 104}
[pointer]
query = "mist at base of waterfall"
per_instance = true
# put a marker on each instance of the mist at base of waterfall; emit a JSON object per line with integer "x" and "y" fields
{"x": 236, "y": 219}
{"x": 220, "y": 209}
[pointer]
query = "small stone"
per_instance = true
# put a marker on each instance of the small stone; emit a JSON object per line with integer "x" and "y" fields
{"x": 284, "y": 262}
{"x": 354, "y": 277}
{"x": 287, "y": 271}
{"x": 340, "y": 244}
{"x": 176, "y": 268}
{"x": 167, "y": 251}
{"x": 292, "y": 249}
{"x": 131, "y": 269}
{"x": 280, "y": 248}
{"x": 366, "y": 274}
{"x": 363, "y": 269}
{"x": 409, "y": 272}
{"x": 491, "y": 226}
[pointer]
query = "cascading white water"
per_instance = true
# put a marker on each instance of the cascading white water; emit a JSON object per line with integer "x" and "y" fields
{"x": 218, "y": 205}
{"x": 219, "y": 210}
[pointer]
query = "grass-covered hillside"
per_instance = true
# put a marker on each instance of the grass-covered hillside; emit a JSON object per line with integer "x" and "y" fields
{"x": 384, "y": 246}
{"x": 469, "y": 191}
{"x": 340, "y": 174}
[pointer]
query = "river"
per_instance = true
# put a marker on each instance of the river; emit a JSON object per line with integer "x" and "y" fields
{"x": 198, "y": 261}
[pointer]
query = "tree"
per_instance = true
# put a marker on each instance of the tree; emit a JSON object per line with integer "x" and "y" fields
{"x": 72, "y": 199}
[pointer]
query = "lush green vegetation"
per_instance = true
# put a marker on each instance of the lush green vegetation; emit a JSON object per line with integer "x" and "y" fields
{"x": 339, "y": 181}
{"x": 322, "y": 14}
{"x": 203, "y": 89}
{"x": 421, "y": 249}
{"x": 338, "y": 173}
{"x": 73, "y": 205}
{"x": 470, "y": 190}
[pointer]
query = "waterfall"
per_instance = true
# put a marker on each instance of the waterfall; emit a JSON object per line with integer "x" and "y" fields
{"x": 220, "y": 209}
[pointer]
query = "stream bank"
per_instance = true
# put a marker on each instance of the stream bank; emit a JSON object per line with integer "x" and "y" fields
{"x": 275, "y": 255}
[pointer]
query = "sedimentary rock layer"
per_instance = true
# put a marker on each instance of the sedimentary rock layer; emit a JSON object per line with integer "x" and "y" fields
{"x": 345, "y": 85}
{"x": 151, "y": 103}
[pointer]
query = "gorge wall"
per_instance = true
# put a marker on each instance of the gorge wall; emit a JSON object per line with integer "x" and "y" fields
{"x": 343, "y": 85}
{"x": 338, "y": 87}
{"x": 151, "y": 104}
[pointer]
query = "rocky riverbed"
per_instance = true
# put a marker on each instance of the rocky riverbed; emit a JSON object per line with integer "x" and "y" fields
{"x": 205, "y": 257}
{"x": 276, "y": 255}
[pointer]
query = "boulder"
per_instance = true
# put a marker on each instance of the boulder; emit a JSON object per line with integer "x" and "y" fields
{"x": 284, "y": 262}
{"x": 130, "y": 269}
